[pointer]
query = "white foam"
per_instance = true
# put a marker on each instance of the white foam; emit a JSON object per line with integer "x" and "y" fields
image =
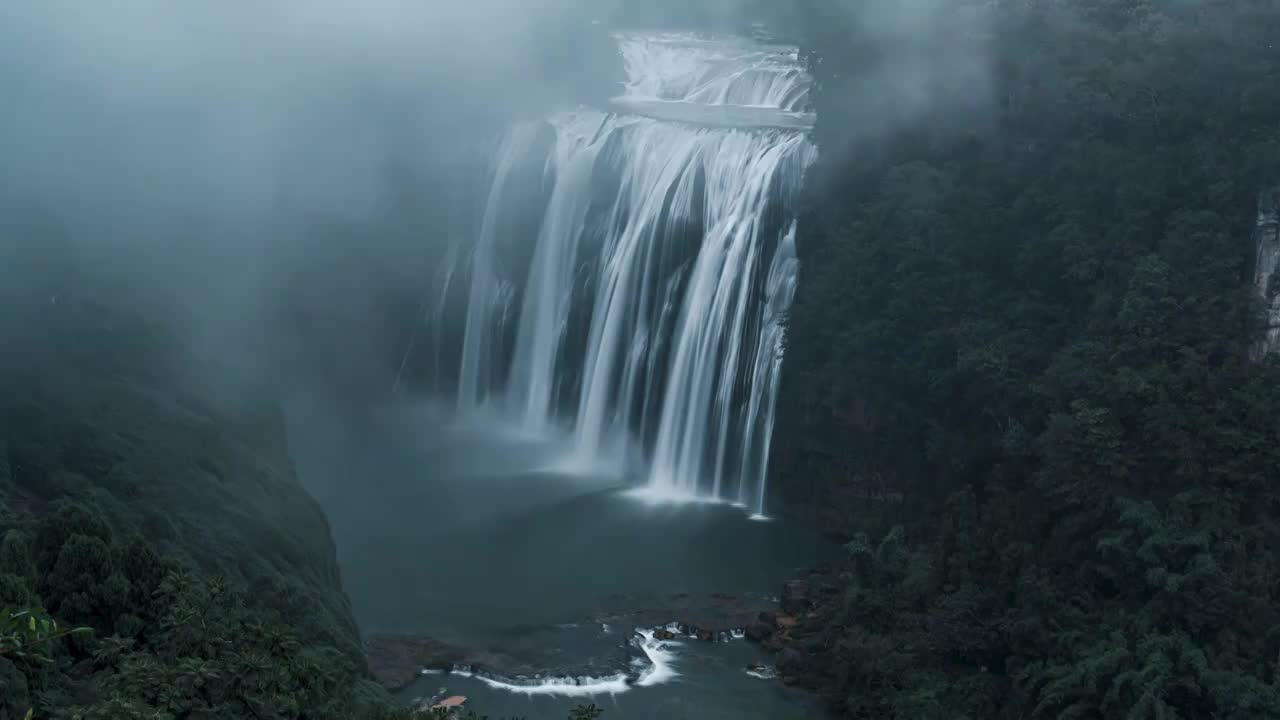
{"x": 664, "y": 496}
{"x": 662, "y": 658}
{"x": 565, "y": 687}
{"x": 660, "y": 670}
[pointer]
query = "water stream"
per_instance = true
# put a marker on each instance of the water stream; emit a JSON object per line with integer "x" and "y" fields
{"x": 598, "y": 461}
{"x": 648, "y": 318}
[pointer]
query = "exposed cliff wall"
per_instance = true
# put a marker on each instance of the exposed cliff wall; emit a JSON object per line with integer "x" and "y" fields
{"x": 1266, "y": 284}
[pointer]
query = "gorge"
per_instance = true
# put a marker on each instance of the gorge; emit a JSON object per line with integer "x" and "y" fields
{"x": 874, "y": 359}
{"x": 597, "y": 378}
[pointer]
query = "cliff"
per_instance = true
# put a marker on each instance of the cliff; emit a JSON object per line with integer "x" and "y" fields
{"x": 150, "y": 497}
{"x": 1266, "y": 238}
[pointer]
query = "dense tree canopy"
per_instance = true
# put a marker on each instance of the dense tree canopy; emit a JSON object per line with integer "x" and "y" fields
{"x": 1022, "y": 336}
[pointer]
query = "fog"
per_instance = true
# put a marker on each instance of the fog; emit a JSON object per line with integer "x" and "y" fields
{"x": 204, "y": 156}
{"x": 274, "y": 185}
{"x": 275, "y": 180}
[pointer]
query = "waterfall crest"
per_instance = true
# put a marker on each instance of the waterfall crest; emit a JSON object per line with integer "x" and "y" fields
{"x": 647, "y": 321}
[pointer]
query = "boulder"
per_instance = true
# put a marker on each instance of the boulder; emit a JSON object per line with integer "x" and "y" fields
{"x": 789, "y": 660}
{"x": 795, "y": 597}
{"x": 759, "y": 632}
{"x": 397, "y": 661}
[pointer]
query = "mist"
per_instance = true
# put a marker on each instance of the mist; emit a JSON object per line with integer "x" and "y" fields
{"x": 629, "y": 351}
{"x": 211, "y": 158}
{"x": 213, "y": 161}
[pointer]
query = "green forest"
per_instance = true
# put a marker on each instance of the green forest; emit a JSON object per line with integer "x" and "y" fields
{"x": 1019, "y": 382}
{"x": 1018, "y": 391}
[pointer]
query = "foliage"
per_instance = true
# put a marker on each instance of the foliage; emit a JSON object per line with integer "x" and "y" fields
{"x": 168, "y": 642}
{"x": 585, "y": 712}
{"x": 1023, "y": 338}
{"x": 24, "y": 633}
{"x": 171, "y": 643}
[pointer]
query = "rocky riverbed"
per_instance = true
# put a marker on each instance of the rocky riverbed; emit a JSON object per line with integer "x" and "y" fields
{"x": 603, "y": 645}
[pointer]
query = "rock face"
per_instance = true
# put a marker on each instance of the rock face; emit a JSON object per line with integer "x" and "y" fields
{"x": 601, "y": 645}
{"x": 398, "y": 660}
{"x": 1266, "y": 282}
{"x": 100, "y": 407}
{"x": 707, "y": 617}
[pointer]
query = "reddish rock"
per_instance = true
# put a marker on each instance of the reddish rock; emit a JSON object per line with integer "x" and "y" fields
{"x": 663, "y": 634}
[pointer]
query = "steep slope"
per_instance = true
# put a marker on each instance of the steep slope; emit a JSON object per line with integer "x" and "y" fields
{"x": 151, "y": 498}
{"x": 1022, "y": 337}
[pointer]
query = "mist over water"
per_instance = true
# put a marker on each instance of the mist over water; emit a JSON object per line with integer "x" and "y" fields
{"x": 519, "y": 277}
{"x": 584, "y": 421}
{"x": 648, "y": 319}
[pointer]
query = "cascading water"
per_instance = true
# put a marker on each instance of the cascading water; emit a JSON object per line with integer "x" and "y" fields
{"x": 719, "y": 71}
{"x": 650, "y": 312}
{"x": 489, "y": 294}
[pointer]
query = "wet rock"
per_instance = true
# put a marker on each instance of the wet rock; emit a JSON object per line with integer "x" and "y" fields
{"x": 718, "y": 613}
{"x": 785, "y": 622}
{"x": 795, "y": 598}
{"x": 759, "y": 632}
{"x": 789, "y": 660}
{"x": 398, "y": 660}
{"x": 575, "y": 650}
{"x": 520, "y": 655}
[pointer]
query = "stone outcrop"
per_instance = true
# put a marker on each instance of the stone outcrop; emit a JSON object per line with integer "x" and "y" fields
{"x": 601, "y": 643}
{"x": 1266, "y": 282}
{"x": 397, "y": 661}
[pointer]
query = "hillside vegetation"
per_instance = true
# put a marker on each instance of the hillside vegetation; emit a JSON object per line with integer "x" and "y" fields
{"x": 1018, "y": 380}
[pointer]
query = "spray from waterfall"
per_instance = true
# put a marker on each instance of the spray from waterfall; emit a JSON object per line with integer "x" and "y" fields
{"x": 649, "y": 315}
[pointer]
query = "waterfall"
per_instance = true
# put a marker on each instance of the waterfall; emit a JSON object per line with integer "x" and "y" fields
{"x": 1266, "y": 281}
{"x": 648, "y": 318}
{"x": 489, "y": 294}
{"x": 579, "y": 139}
